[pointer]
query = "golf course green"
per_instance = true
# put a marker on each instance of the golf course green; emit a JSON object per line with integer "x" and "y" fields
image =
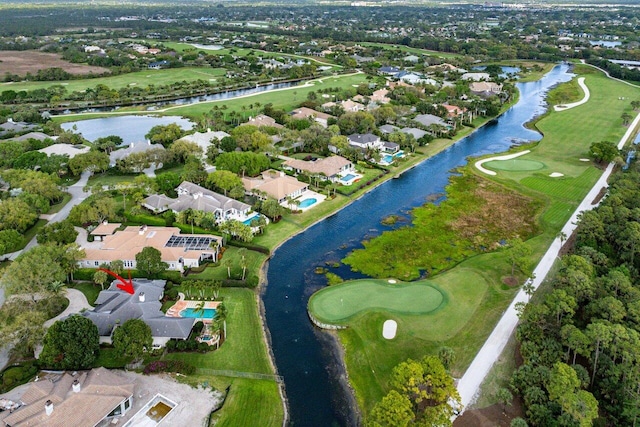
{"x": 514, "y": 165}
{"x": 336, "y": 304}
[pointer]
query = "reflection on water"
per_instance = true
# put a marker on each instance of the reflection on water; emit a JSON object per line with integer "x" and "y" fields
{"x": 308, "y": 363}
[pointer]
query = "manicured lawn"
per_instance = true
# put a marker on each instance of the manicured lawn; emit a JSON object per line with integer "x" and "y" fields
{"x": 106, "y": 179}
{"x": 219, "y": 272}
{"x": 251, "y": 403}
{"x": 30, "y": 233}
{"x": 90, "y": 290}
{"x": 56, "y": 208}
{"x": 108, "y": 358}
{"x": 238, "y": 51}
{"x": 281, "y": 98}
{"x": 337, "y": 304}
{"x": 477, "y": 295}
{"x": 244, "y": 349}
{"x": 138, "y": 78}
{"x": 514, "y": 165}
{"x": 413, "y": 50}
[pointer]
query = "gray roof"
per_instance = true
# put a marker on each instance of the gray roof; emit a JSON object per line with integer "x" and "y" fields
{"x": 388, "y": 128}
{"x": 200, "y": 198}
{"x": 429, "y": 119}
{"x": 417, "y": 133}
{"x": 389, "y": 144}
{"x": 158, "y": 202}
{"x": 363, "y": 138}
{"x": 134, "y": 147}
{"x": 40, "y": 136}
{"x": 11, "y": 126}
{"x": 115, "y": 306}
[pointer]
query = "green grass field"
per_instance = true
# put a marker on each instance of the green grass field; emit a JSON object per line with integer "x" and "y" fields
{"x": 514, "y": 165}
{"x": 251, "y": 402}
{"x": 413, "y": 50}
{"x": 287, "y": 99}
{"x": 477, "y": 295}
{"x": 139, "y": 78}
{"x": 185, "y": 47}
{"x": 339, "y": 303}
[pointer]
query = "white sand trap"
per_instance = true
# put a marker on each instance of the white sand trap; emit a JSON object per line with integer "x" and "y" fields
{"x": 389, "y": 329}
{"x": 575, "y": 104}
{"x": 479, "y": 163}
{"x": 392, "y": 281}
{"x": 556, "y": 174}
{"x": 585, "y": 160}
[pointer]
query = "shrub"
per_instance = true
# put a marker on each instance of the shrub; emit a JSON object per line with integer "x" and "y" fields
{"x": 179, "y": 366}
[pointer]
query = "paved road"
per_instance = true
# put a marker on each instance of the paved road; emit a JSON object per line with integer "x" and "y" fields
{"x": 77, "y": 195}
{"x": 469, "y": 384}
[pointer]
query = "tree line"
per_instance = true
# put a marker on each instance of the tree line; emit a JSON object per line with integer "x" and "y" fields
{"x": 579, "y": 340}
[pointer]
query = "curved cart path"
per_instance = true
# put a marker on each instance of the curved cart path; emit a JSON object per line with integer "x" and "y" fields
{"x": 584, "y": 100}
{"x": 479, "y": 163}
{"x": 469, "y": 384}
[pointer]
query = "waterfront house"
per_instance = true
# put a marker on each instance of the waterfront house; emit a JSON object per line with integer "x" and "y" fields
{"x": 330, "y": 168}
{"x": 114, "y": 306}
{"x": 274, "y": 184}
{"x": 179, "y": 251}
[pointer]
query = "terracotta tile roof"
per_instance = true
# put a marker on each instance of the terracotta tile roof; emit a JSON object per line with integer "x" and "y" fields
{"x": 329, "y": 166}
{"x": 275, "y": 184}
{"x": 125, "y": 244}
{"x": 304, "y": 112}
{"x": 101, "y": 391}
{"x": 105, "y": 229}
{"x": 262, "y": 120}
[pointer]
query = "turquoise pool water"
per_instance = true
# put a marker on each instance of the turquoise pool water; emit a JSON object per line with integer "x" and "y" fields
{"x": 248, "y": 220}
{"x": 307, "y": 202}
{"x": 207, "y": 313}
{"x": 347, "y": 177}
{"x": 388, "y": 158}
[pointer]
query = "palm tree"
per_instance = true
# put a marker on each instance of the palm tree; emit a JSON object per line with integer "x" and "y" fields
{"x": 55, "y": 287}
{"x": 243, "y": 261}
{"x": 227, "y": 263}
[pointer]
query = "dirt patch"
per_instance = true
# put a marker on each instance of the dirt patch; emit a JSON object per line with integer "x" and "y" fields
{"x": 510, "y": 281}
{"x": 23, "y": 62}
{"x": 599, "y": 196}
{"x": 491, "y": 416}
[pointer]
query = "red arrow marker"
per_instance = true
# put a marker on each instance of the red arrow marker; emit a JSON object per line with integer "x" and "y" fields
{"x": 125, "y": 285}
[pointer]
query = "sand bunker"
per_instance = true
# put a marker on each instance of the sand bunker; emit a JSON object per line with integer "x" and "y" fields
{"x": 389, "y": 329}
{"x": 556, "y": 174}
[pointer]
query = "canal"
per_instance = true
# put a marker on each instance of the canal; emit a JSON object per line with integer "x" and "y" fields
{"x": 305, "y": 356}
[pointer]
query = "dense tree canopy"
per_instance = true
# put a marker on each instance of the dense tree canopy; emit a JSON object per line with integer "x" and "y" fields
{"x": 132, "y": 338}
{"x": 72, "y": 343}
{"x": 579, "y": 343}
{"x": 150, "y": 261}
{"x": 243, "y": 163}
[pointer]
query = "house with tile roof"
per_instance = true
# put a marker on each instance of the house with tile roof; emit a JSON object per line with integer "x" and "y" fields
{"x": 179, "y": 251}
{"x": 114, "y": 306}
{"x": 364, "y": 141}
{"x": 263, "y": 120}
{"x": 308, "y": 113}
{"x": 485, "y": 89}
{"x": 90, "y": 398}
{"x": 274, "y": 184}
{"x": 331, "y": 168}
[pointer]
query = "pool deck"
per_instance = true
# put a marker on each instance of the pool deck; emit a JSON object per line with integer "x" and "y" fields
{"x": 174, "y": 310}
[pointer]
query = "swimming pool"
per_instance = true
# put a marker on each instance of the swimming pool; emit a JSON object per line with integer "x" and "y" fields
{"x": 388, "y": 158}
{"x": 348, "y": 177}
{"x": 307, "y": 202}
{"x": 248, "y": 220}
{"x": 207, "y": 313}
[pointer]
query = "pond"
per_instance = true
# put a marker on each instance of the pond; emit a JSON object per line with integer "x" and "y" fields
{"x": 130, "y": 128}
